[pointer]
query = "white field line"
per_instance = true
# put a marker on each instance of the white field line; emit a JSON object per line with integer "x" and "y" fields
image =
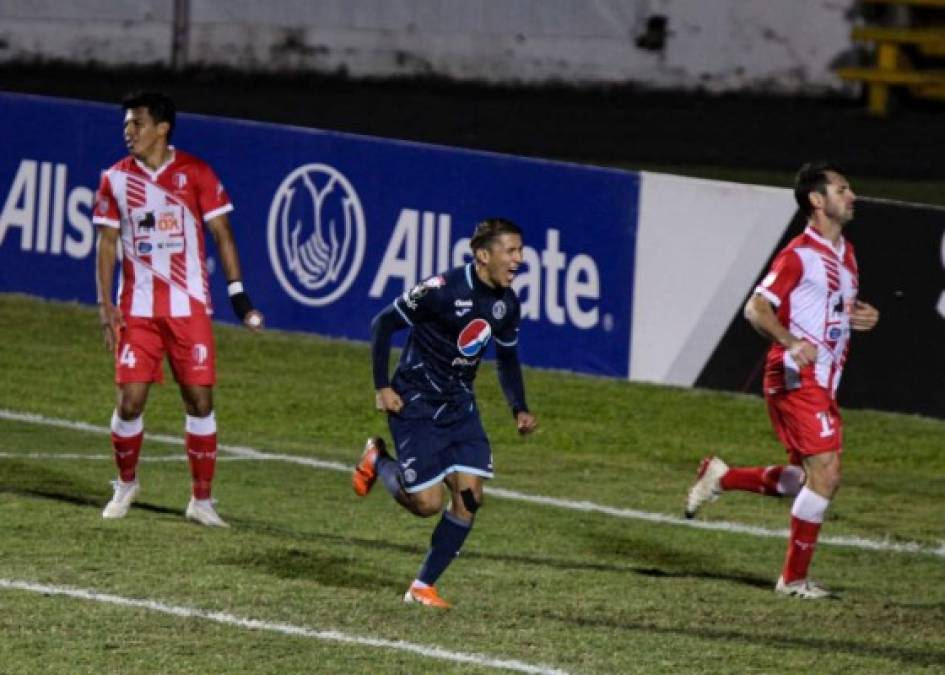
{"x": 570, "y": 504}
{"x": 110, "y": 458}
{"x": 283, "y": 628}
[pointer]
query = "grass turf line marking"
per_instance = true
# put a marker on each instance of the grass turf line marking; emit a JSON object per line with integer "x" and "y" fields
{"x": 111, "y": 458}
{"x": 573, "y": 505}
{"x": 283, "y": 628}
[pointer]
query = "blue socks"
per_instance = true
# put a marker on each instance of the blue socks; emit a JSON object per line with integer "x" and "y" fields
{"x": 389, "y": 472}
{"x": 447, "y": 540}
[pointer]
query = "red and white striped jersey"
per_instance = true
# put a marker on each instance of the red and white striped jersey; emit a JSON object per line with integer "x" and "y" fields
{"x": 813, "y": 287}
{"x": 161, "y": 215}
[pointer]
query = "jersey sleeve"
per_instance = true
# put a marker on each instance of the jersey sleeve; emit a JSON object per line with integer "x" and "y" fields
{"x": 422, "y": 301}
{"x": 784, "y": 276}
{"x": 211, "y": 195}
{"x": 106, "y": 211}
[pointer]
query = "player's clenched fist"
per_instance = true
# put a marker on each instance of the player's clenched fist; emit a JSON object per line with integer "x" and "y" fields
{"x": 388, "y": 400}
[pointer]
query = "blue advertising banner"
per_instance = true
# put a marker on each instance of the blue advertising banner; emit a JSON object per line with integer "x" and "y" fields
{"x": 331, "y": 227}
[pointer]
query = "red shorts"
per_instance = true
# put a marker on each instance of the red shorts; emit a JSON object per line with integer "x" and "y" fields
{"x": 807, "y": 421}
{"x": 187, "y": 341}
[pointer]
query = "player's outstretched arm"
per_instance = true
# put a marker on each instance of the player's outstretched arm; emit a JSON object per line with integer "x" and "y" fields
{"x": 864, "y": 316}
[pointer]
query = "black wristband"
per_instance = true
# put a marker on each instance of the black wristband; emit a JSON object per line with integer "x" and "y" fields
{"x": 242, "y": 305}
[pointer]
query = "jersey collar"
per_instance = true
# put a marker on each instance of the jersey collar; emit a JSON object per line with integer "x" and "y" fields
{"x": 473, "y": 280}
{"x": 839, "y": 250}
{"x": 153, "y": 175}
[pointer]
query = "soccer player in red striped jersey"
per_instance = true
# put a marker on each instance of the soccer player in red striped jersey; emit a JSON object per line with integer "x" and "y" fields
{"x": 806, "y": 305}
{"x": 150, "y": 211}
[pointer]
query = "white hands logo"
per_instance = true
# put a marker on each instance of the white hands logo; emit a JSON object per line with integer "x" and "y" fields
{"x": 316, "y": 245}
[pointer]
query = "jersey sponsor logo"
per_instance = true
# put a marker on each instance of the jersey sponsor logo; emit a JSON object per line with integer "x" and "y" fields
{"x": 460, "y": 361}
{"x": 459, "y": 302}
{"x": 474, "y": 337}
{"x": 144, "y": 248}
{"x": 316, "y": 234}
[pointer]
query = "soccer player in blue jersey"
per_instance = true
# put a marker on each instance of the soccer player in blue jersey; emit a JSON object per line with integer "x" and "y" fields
{"x": 431, "y": 408}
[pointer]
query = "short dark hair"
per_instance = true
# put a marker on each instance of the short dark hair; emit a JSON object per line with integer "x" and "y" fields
{"x": 160, "y": 106}
{"x": 489, "y": 229}
{"x": 812, "y": 177}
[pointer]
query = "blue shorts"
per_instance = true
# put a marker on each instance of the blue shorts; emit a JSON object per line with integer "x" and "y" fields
{"x": 433, "y": 439}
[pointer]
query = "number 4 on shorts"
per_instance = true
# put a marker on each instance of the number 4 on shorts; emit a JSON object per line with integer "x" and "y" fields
{"x": 127, "y": 357}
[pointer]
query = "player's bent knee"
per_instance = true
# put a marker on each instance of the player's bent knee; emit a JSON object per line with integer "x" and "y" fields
{"x": 425, "y": 505}
{"x": 470, "y": 502}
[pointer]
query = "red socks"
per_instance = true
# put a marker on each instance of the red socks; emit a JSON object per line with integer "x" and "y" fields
{"x": 201, "y": 441}
{"x": 800, "y": 550}
{"x": 807, "y": 514}
{"x": 127, "y": 436}
{"x": 775, "y": 481}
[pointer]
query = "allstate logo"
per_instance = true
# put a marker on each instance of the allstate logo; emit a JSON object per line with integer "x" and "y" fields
{"x": 316, "y": 234}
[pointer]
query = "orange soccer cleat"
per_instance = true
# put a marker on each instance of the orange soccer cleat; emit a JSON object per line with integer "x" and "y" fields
{"x": 425, "y": 596}
{"x": 365, "y": 472}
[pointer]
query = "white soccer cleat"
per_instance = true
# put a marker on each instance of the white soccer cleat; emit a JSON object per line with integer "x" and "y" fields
{"x": 202, "y": 511}
{"x": 122, "y": 499}
{"x": 807, "y": 589}
{"x": 708, "y": 485}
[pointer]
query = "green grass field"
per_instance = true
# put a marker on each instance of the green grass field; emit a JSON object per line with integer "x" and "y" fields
{"x": 539, "y": 587}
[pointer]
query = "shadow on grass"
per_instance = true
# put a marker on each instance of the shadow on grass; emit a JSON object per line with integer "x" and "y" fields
{"x": 294, "y": 563}
{"x": 821, "y": 646}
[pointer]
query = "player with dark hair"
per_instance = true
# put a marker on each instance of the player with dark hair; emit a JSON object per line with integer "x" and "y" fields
{"x": 151, "y": 208}
{"x": 806, "y": 305}
{"x": 432, "y": 411}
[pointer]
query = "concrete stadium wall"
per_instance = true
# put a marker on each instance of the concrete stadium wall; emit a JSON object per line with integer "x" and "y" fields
{"x": 722, "y": 45}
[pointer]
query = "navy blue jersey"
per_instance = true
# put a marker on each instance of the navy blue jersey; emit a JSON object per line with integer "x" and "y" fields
{"x": 453, "y": 317}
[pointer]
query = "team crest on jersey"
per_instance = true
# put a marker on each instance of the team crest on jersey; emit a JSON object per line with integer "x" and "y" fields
{"x": 474, "y": 337}
{"x": 499, "y": 309}
{"x": 316, "y": 234}
{"x": 179, "y": 180}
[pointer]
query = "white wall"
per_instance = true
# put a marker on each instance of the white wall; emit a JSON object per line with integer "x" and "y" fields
{"x": 719, "y": 45}
{"x": 701, "y": 247}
